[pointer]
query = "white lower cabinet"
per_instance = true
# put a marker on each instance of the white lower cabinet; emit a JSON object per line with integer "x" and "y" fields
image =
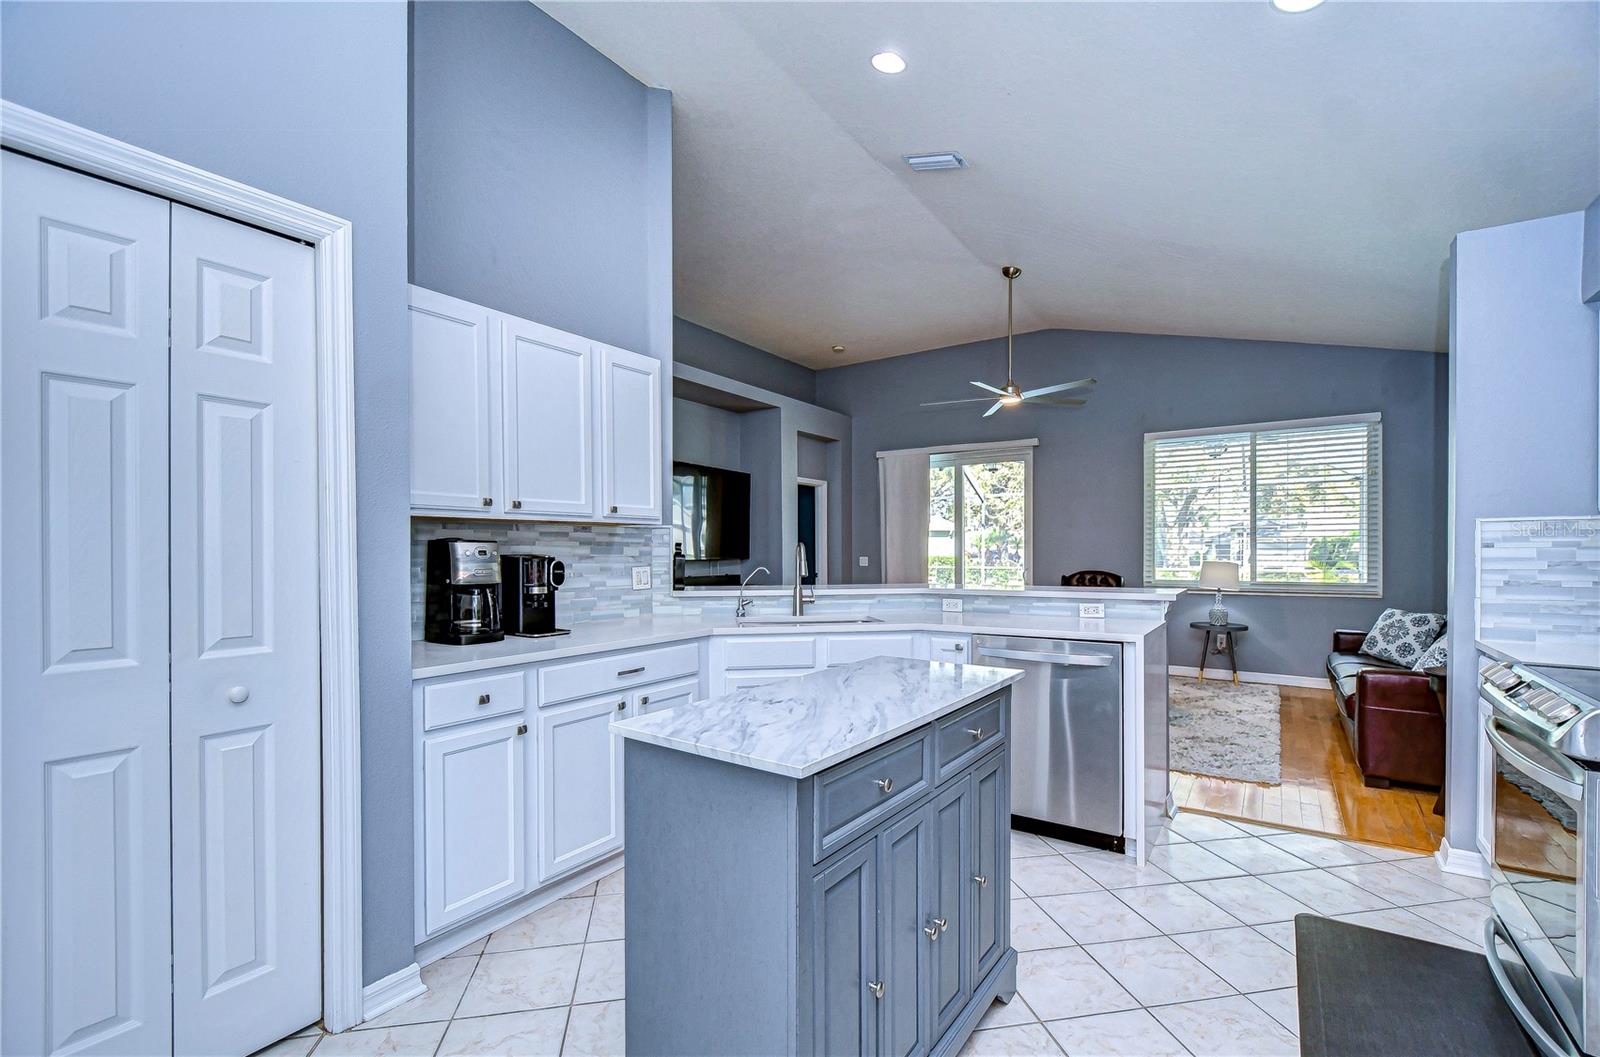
{"x": 473, "y": 827}
{"x": 579, "y": 783}
{"x": 663, "y": 696}
{"x": 955, "y": 649}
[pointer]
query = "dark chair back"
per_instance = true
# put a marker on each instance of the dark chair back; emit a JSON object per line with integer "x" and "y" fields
{"x": 1092, "y": 578}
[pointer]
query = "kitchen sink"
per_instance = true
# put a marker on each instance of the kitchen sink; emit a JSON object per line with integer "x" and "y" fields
{"x": 782, "y": 619}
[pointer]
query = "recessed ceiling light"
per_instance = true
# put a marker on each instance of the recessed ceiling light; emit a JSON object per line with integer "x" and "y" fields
{"x": 1295, "y": 7}
{"x": 889, "y": 62}
{"x": 944, "y": 159}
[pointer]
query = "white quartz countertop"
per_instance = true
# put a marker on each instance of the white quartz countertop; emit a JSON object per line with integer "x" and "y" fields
{"x": 429, "y": 660}
{"x": 797, "y": 727}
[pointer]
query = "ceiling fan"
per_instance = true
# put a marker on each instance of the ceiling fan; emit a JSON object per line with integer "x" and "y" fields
{"x": 1013, "y": 394}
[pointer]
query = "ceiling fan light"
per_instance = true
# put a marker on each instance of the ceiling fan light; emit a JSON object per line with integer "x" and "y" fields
{"x": 1011, "y": 400}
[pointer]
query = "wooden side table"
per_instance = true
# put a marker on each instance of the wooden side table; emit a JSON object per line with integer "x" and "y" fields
{"x": 1224, "y": 635}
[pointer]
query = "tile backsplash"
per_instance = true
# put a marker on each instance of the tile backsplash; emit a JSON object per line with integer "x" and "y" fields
{"x": 1539, "y": 588}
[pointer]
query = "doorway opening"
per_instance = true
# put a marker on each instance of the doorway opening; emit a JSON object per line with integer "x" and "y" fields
{"x": 811, "y": 530}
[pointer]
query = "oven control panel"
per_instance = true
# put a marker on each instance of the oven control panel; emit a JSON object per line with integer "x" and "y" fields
{"x": 1530, "y": 698}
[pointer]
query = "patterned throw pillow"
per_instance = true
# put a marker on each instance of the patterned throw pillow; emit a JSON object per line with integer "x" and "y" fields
{"x": 1435, "y": 656}
{"x": 1401, "y": 637}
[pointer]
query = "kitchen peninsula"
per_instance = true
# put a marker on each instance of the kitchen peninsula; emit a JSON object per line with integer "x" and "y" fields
{"x": 821, "y": 864}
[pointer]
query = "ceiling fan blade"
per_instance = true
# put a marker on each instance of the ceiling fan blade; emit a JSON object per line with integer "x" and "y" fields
{"x": 946, "y": 403}
{"x": 986, "y": 387}
{"x": 1029, "y": 394}
{"x": 997, "y": 406}
{"x": 1060, "y": 401}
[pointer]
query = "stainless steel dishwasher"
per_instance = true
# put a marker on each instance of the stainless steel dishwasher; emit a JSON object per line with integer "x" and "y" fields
{"x": 1066, "y": 736}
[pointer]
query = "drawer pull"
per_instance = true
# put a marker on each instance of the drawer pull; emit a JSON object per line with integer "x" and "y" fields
{"x": 613, "y": 510}
{"x": 960, "y": 646}
{"x": 976, "y": 732}
{"x": 483, "y": 699}
{"x": 645, "y": 700}
{"x": 522, "y": 728}
{"x": 630, "y": 671}
{"x": 932, "y": 931}
{"x": 488, "y": 500}
{"x": 876, "y": 987}
{"x": 516, "y": 504}
{"x": 885, "y": 784}
{"x": 622, "y": 704}
{"x": 980, "y": 880}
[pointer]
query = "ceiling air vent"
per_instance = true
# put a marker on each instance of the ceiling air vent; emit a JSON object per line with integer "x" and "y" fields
{"x": 947, "y": 159}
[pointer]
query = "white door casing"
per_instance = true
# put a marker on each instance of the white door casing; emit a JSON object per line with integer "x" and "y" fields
{"x": 547, "y": 378}
{"x": 83, "y": 560}
{"x": 473, "y": 828}
{"x": 245, "y": 693}
{"x": 630, "y": 435}
{"x": 453, "y": 424}
{"x": 580, "y": 783}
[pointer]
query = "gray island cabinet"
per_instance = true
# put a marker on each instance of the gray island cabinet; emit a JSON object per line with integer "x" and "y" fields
{"x": 821, "y": 865}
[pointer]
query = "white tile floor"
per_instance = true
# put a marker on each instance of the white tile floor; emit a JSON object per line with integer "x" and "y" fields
{"x": 1192, "y": 954}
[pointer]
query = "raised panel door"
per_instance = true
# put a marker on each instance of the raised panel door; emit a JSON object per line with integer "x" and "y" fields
{"x": 847, "y": 990}
{"x": 83, "y": 636}
{"x": 908, "y": 933}
{"x": 473, "y": 828}
{"x": 453, "y": 423}
{"x": 549, "y": 423}
{"x": 991, "y": 850}
{"x": 662, "y": 696}
{"x": 246, "y": 696}
{"x": 630, "y": 435}
{"x": 949, "y": 896}
{"x": 580, "y": 784}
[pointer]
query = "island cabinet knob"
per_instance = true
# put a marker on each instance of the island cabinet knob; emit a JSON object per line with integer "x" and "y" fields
{"x": 876, "y": 987}
{"x": 943, "y": 923}
{"x": 980, "y": 880}
{"x": 933, "y": 931}
{"x": 885, "y": 784}
{"x": 976, "y": 732}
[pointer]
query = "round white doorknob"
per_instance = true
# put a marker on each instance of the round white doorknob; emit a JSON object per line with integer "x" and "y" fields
{"x": 238, "y": 695}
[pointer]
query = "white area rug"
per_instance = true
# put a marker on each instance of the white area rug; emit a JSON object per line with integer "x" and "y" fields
{"x": 1224, "y": 730}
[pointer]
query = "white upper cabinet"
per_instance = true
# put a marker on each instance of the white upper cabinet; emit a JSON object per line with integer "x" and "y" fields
{"x": 511, "y": 418}
{"x": 547, "y": 381}
{"x": 452, "y": 408}
{"x": 630, "y": 435}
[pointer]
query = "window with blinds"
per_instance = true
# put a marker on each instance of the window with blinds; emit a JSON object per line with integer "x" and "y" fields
{"x": 1297, "y": 504}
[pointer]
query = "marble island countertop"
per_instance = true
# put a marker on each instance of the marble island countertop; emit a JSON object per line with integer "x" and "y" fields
{"x": 599, "y": 636}
{"x": 797, "y": 727}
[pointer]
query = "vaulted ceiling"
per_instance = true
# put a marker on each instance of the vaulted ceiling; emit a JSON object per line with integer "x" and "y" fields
{"x": 1217, "y": 169}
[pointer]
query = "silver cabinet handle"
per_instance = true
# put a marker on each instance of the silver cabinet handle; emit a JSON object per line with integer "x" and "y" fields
{"x": 931, "y": 931}
{"x": 483, "y": 699}
{"x": 876, "y": 987}
{"x": 522, "y": 728}
{"x": 629, "y": 671}
{"x": 645, "y": 700}
{"x": 622, "y": 704}
{"x": 960, "y": 646}
{"x": 942, "y": 923}
{"x": 980, "y": 880}
{"x": 976, "y": 732}
{"x": 613, "y": 510}
{"x": 516, "y": 504}
{"x": 488, "y": 500}
{"x": 885, "y": 784}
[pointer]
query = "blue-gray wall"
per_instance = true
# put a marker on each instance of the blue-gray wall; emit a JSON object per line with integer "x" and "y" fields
{"x": 1089, "y": 466}
{"x": 1525, "y": 418}
{"x": 314, "y": 109}
{"x": 720, "y": 354}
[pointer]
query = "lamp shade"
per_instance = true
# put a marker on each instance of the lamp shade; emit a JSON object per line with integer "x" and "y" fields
{"x": 1220, "y": 576}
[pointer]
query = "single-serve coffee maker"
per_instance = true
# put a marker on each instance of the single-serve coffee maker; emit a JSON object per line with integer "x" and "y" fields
{"x": 461, "y": 605}
{"x": 530, "y": 584}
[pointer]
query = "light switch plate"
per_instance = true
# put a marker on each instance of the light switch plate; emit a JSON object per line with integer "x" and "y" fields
{"x": 862, "y": 561}
{"x": 1092, "y": 610}
{"x": 951, "y": 605}
{"x": 641, "y": 577}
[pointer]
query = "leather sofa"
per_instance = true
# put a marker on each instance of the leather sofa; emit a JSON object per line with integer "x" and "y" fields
{"x": 1391, "y": 715}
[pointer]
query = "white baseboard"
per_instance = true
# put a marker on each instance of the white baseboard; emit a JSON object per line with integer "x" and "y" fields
{"x": 1461, "y": 861}
{"x": 402, "y": 985}
{"x": 1223, "y": 675}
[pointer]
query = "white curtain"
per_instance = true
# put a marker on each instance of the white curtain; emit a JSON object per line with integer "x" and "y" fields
{"x": 903, "y": 504}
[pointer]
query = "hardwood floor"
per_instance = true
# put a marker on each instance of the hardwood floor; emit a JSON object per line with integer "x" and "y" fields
{"x": 1322, "y": 790}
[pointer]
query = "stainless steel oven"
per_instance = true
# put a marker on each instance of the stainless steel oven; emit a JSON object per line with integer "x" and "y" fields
{"x": 1543, "y": 941}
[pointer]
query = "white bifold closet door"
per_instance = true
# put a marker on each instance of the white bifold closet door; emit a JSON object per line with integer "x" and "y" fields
{"x": 158, "y": 541}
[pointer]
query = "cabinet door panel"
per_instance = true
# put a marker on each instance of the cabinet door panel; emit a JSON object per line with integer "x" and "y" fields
{"x": 547, "y": 409}
{"x": 473, "y": 825}
{"x": 451, "y": 419}
{"x": 844, "y": 912}
{"x": 906, "y": 949}
{"x": 662, "y": 696}
{"x": 580, "y": 784}
{"x": 991, "y": 849}
{"x": 630, "y": 435}
{"x": 949, "y": 977}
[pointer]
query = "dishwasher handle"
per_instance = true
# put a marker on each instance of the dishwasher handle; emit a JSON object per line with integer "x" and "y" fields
{"x": 1071, "y": 660}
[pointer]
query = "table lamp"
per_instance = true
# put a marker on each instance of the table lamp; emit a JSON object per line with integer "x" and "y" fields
{"x": 1220, "y": 577}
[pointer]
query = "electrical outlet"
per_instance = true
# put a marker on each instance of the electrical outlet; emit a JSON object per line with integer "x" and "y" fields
{"x": 862, "y": 561}
{"x": 1092, "y": 610}
{"x": 951, "y": 605}
{"x": 641, "y": 577}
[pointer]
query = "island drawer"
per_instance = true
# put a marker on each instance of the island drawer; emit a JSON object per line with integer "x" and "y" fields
{"x": 853, "y": 797}
{"x": 616, "y": 671}
{"x": 479, "y": 697}
{"x": 965, "y": 735}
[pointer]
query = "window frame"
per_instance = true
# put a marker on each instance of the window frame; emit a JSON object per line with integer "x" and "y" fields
{"x": 1372, "y": 529}
{"x": 967, "y": 455}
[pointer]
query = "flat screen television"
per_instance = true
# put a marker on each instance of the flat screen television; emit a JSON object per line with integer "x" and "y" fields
{"x": 710, "y": 512}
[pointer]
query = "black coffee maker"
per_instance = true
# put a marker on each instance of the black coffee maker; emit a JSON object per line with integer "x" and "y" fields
{"x": 461, "y": 605}
{"x": 530, "y": 585}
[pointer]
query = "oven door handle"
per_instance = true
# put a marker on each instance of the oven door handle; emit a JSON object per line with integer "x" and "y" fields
{"x": 1569, "y": 786}
{"x": 1548, "y": 1046}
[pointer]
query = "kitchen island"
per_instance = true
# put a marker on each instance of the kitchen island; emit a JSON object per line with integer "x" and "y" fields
{"x": 821, "y": 864}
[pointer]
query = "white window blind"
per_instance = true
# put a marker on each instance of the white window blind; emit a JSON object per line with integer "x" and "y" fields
{"x": 1297, "y": 504}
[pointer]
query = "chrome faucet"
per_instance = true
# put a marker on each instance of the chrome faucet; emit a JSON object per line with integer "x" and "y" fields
{"x": 801, "y": 571}
{"x": 744, "y": 603}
